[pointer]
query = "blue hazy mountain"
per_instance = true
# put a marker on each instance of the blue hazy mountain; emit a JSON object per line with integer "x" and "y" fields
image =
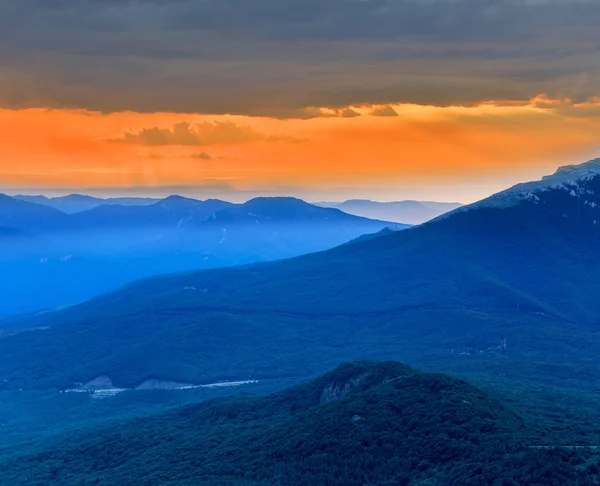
{"x": 363, "y": 423}
{"x": 265, "y": 210}
{"x": 75, "y": 203}
{"x": 369, "y": 236}
{"x": 71, "y": 257}
{"x": 27, "y": 216}
{"x": 173, "y": 212}
{"x": 410, "y": 212}
{"x": 7, "y": 233}
{"x": 290, "y": 226}
{"x": 509, "y": 281}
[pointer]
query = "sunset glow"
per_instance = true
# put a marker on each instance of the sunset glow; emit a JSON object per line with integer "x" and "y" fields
{"x": 420, "y": 146}
{"x": 381, "y": 99}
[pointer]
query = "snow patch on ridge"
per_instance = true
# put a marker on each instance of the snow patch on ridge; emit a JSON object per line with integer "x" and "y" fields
{"x": 570, "y": 178}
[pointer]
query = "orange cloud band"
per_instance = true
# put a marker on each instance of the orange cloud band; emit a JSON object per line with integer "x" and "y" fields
{"x": 358, "y": 146}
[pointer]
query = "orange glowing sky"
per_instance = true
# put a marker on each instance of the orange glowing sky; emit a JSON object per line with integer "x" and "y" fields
{"x": 321, "y": 99}
{"x": 443, "y": 153}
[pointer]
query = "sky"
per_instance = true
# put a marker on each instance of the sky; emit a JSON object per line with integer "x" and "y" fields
{"x": 447, "y": 100}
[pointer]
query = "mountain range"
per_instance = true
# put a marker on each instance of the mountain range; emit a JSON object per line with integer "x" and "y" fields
{"x": 510, "y": 278}
{"x": 76, "y": 203}
{"x": 407, "y": 212}
{"x": 410, "y": 212}
{"x": 502, "y": 293}
{"x": 52, "y": 258}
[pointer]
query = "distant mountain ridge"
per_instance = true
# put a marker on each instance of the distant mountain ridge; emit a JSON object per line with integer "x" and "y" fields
{"x": 503, "y": 293}
{"x": 75, "y": 203}
{"x": 28, "y": 216}
{"x": 172, "y": 211}
{"x": 107, "y": 246}
{"x": 285, "y": 208}
{"x": 409, "y": 212}
{"x": 515, "y": 283}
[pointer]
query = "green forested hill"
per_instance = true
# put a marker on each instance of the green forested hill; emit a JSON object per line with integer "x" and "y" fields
{"x": 365, "y": 423}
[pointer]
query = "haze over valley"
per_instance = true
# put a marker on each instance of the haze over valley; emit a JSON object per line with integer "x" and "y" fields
{"x": 284, "y": 243}
{"x": 500, "y": 292}
{"x": 53, "y": 258}
{"x": 470, "y": 293}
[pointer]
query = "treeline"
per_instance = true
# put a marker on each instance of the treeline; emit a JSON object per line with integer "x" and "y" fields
{"x": 364, "y": 424}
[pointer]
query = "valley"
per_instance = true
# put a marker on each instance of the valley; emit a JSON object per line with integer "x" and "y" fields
{"x": 102, "y": 386}
{"x": 500, "y": 293}
{"x": 52, "y": 258}
{"x": 299, "y": 243}
{"x": 363, "y": 422}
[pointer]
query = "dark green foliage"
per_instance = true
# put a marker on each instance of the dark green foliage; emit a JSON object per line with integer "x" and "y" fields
{"x": 365, "y": 423}
{"x": 27, "y": 417}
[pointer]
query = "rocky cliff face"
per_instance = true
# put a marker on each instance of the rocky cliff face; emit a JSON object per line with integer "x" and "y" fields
{"x": 333, "y": 392}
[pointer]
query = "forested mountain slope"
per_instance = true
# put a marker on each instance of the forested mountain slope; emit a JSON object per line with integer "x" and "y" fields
{"x": 513, "y": 277}
{"x": 364, "y": 423}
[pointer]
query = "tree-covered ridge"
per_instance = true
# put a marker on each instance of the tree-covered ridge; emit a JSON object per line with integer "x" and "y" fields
{"x": 365, "y": 423}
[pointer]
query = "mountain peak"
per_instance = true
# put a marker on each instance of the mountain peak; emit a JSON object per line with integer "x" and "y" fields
{"x": 177, "y": 201}
{"x": 565, "y": 177}
{"x": 277, "y": 200}
{"x": 176, "y": 198}
{"x": 359, "y": 376}
{"x": 576, "y": 171}
{"x": 573, "y": 180}
{"x": 368, "y": 201}
{"x": 281, "y": 205}
{"x": 77, "y": 197}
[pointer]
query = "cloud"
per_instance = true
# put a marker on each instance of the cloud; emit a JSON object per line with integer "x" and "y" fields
{"x": 154, "y": 156}
{"x": 310, "y": 112}
{"x": 207, "y": 133}
{"x": 201, "y": 156}
{"x": 280, "y": 57}
{"x": 589, "y": 109}
{"x": 349, "y": 113}
{"x": 384, "y": 111}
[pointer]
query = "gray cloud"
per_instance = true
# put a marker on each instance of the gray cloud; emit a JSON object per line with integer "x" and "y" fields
{"x": 153, "y": 156}
{"x": 348, "y": 113}
{"x": 279, "y": 57}
{"x": 207, "y": 133}
{"x": 567, "y": 108}
{"x": 201, "y": 156}
{"x": 384, "y": 111}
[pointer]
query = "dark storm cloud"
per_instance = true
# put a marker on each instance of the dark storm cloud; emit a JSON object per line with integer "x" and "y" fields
{"x": 282, "y": 58}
